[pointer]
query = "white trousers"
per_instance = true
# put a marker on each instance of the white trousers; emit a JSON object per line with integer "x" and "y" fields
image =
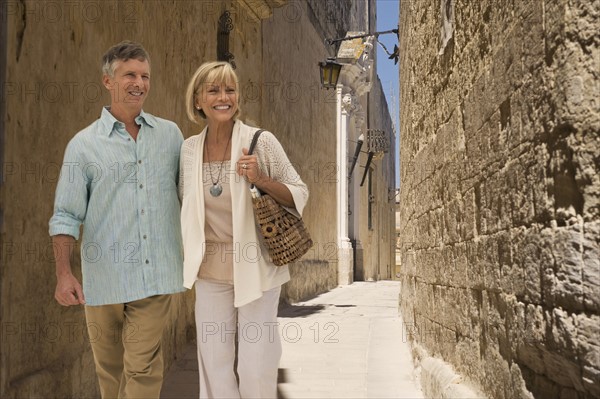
{"x": 259, "y": 344}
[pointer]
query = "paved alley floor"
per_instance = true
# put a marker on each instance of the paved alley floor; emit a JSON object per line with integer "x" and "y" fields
{"x": 346, "y": 343}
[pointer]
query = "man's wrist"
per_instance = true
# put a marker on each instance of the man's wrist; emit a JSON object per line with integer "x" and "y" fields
{"x": 64, "y": 272}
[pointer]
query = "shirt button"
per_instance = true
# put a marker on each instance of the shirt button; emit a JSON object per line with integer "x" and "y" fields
{"x": 140, "y": 161}
{"x": 142, "y": 212}
{"x": 145, "y": 236}
{"x": 141, "y": 186}
{"x": 147, "y": 261}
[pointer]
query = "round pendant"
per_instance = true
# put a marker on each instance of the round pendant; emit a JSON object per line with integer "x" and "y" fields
{"x": 216, "y": 190}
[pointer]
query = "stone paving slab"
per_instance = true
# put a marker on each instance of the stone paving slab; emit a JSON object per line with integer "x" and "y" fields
{"x": 346, "y": 343}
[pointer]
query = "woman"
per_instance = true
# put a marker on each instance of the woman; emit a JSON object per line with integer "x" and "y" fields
{"x": 237, "y": 287}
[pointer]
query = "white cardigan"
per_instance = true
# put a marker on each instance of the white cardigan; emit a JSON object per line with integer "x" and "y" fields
{"x": 253, "y": 272}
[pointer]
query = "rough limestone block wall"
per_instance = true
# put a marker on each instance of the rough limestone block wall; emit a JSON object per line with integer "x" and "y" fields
{"x": 500, "y": 195}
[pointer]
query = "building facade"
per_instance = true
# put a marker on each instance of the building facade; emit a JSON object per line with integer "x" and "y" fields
{"x": 500, "y": 195}
{"x": 51, "y": 89}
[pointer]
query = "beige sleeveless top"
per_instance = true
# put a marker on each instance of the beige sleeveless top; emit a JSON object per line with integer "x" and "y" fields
{"x": 218, "y": 259}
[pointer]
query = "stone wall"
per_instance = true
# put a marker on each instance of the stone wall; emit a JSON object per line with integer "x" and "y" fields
{"x": 500, "y": 197}
{"x": 52, "y": 90}
{"x": 302, "y": 115}
{"x": 378, "y": 240}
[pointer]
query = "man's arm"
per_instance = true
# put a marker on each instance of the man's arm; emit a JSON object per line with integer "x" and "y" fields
{"x": 70, "y": 207}
{"x": 68, "y": 290}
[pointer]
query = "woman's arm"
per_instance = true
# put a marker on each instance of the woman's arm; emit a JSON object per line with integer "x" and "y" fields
{"x": 273, "y": 173}
{"x": 275, "y": 189}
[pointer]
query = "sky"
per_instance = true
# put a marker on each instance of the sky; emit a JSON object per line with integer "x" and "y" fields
{"x": 387, "y": 18}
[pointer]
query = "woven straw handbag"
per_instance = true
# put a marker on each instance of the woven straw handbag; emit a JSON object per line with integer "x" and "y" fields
{"x": 284, "y": 234}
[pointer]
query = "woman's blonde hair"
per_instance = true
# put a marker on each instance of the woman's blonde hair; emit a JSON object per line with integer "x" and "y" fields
{"x": 210, "y": 72}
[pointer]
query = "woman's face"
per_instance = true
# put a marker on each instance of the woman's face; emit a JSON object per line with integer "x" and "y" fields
{"x": 219, "y": 101}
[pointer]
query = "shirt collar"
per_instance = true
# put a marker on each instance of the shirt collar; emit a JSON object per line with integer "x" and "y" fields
{"x": 108, "y": 121}
{"x": 150, "y": 120}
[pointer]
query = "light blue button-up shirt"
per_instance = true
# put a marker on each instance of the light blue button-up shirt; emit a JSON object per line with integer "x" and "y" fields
{"x": 124, "y": 192}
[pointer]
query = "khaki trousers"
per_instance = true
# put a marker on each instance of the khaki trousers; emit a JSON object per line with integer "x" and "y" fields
{"x": 218, "y": 323}
{"x": 126, "y": 342}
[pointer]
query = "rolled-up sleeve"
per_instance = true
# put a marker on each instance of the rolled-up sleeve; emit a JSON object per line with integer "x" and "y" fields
{"x": 71, "y": 198}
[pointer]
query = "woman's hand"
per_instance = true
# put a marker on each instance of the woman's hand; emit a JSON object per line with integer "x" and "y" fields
{"x": 247, "y": 166}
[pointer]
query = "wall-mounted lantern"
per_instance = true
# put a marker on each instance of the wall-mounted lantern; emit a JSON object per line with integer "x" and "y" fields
{"x": 330, "y": 69}
{"x": 330, "y": 73}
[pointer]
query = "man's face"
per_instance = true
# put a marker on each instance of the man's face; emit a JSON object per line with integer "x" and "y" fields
{"x": 130, "y": 84}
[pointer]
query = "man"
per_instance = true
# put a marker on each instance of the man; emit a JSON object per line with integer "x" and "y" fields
{"x": 119, "y": 181}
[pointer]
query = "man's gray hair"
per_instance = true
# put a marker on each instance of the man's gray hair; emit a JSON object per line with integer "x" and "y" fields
{"x": 124, "y": 51}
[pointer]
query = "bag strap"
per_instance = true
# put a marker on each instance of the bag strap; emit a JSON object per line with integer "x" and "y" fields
{"x": 254, "y": 140}
{"x": 252, "y": 145}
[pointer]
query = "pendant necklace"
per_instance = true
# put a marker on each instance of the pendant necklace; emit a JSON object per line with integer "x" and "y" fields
{"x": 216, "y": 188}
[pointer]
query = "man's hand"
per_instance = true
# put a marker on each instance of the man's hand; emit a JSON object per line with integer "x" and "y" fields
{"x": 68, "y": 291}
